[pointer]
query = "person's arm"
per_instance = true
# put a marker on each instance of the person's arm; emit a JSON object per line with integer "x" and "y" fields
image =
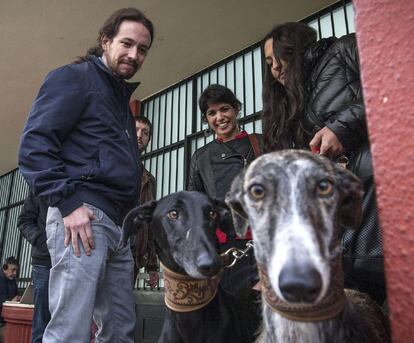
{"x": 27, "y": 221}
{"x": 152, "y": 260}
{"x": 349, "y": 125}
{"x": 15, "y": 296}
{"x": 3, "y": 290}
{"x": 54, "y": 114}
{"x": 151, "y": 266}
{"x": 345, "y": 128}
{"x": 194, "y": 179}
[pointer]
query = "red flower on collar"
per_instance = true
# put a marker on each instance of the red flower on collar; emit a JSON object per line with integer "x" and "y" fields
{"x": 222, "y": 236}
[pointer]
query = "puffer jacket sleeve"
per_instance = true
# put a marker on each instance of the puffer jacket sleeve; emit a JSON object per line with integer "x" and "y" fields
{"x": 195, "y": 182}
{"x": 54, "y": 113}
{"x": 348, "y": 124}
{"x": 342, "y": 94}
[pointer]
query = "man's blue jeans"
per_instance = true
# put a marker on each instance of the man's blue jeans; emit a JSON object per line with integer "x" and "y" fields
{"x": 41, "y": 315}
{"x": 97, "y": 286}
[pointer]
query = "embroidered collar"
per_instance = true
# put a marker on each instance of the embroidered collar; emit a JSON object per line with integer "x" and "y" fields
{"x": 182, "y": 293}
{"x": 240, "y": 135}
{"x": 327, "y": 308}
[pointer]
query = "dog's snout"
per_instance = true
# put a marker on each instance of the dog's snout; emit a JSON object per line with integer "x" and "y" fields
{"x": 300, "y": 282}
{"x": 208, "y": 265}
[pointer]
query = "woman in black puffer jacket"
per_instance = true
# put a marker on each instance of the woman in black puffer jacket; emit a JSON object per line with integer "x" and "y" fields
{"x": 312, "y": 99}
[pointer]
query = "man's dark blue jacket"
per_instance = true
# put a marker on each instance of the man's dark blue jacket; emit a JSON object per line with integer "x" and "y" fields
{"x": 79, "y": 143}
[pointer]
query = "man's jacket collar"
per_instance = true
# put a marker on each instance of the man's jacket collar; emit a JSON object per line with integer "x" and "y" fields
{"x": 129, "y": 86}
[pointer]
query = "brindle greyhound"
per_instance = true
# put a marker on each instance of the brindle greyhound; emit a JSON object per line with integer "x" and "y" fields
{"x": 297, "y": 204}
{"x": 198, "y": 311}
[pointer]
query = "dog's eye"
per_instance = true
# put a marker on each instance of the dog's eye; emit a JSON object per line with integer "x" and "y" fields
{"x": 173, "y": 214}
{"x": 257, "y": 191}
{"x": 324, "y": 188}
{"x": 213, "y": 214}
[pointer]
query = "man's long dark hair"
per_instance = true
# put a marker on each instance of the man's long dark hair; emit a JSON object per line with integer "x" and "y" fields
{"x": 283, "y": 104}
{"x": 111, "y": 27}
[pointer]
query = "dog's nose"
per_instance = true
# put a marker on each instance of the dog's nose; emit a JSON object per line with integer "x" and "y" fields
{"x": 208, "y": 265}
{"x": 300, "y": 282}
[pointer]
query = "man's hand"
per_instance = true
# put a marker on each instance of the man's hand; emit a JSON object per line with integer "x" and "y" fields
{"x": 78, "y": 223}
{"x": 326, "y": 143}
{"x": 16, "y": 298}
{"x": 153, "y": 279}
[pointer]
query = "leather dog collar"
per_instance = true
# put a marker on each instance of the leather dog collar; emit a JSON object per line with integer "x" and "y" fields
{"x": 327, "y": 308}
{"x": 182, "y": 293}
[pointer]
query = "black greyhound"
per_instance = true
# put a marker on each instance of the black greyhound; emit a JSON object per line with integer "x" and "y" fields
{"x": 198, "y": 311}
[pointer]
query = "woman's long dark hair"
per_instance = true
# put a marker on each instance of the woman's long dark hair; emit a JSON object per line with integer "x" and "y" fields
{"x": 283, "y": 104}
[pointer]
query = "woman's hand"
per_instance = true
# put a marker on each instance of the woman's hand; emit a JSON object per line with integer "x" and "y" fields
{"x": 326, "y": 143}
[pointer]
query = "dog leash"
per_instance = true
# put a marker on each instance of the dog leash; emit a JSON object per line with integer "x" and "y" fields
{"x": 235, "y": 253}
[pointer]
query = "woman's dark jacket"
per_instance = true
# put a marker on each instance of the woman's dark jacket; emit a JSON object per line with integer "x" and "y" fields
{"x": 213, "y": 168}
{"x": 32, "y": 224}
{"x": 334, "y": 91}
{"x": 335, "y": 100}
{"x": 215, "y": 165}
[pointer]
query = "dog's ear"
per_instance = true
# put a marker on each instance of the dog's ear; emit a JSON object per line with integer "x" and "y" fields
{"x": 350, "y": 207}
{"x": 136, "y": 217}
{"x": 234, "y": 200}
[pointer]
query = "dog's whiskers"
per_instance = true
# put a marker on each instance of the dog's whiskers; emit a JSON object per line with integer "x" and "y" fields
{"x": 187, "y": 234}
